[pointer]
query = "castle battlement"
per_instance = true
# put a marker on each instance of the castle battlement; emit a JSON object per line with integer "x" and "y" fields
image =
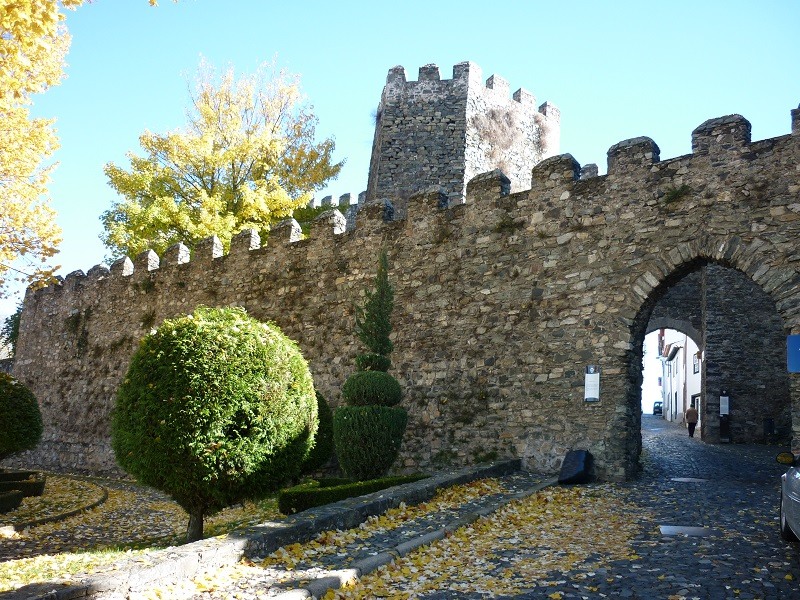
{"x": 443, "y": 132}
{"x": 467, "y": 78}
{"x": 345, "y": 222}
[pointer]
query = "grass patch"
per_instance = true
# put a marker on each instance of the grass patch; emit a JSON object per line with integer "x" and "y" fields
{"x": 134, "y": 522}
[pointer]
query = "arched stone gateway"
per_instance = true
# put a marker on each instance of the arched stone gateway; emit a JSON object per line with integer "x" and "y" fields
{"x": 746, "y": 296}
{"x": 501, "y": 299}
{"x": 743, "y": 344}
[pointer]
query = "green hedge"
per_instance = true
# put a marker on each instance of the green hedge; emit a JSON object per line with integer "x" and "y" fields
{"x": 368, "y": 438}
{"x": 28, "y": 487}
{"x": 317, "y": 493}
{"x": 20, "y": 419}
{"x": 323, "y": 441}
{"x": 17, "y": 475}
{"x": 10, "y": 500}
{"x": 364, "y": 388}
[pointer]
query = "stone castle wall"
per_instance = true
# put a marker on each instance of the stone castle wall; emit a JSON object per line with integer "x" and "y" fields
{"x": 746, "y": 356}
{"x": 501, "y": 301}
{"x": 681, "y": 308}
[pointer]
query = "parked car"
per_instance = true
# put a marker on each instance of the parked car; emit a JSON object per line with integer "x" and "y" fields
{"x": 658, "y": 407}
{"x": 790, "y": 497}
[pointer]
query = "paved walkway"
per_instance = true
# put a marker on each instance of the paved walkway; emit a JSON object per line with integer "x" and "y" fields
{"x": 743, "y": 556}
{"x": 728, "y": 493}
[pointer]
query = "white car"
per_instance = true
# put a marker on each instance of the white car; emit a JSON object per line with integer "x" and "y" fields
{"x": 790, "y": 497}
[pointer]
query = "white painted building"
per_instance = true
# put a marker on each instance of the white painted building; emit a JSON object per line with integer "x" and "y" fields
{"x": 681, "y": 372}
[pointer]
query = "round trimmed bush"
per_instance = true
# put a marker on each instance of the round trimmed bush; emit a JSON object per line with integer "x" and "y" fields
{"x": 216, "y": 407}
{"x": 373, "y": 362}
{"x": 363, "y": 388}
{"x": 323, "y": 442}
{"x": 20, "y": 419}
{"x": 368, "y": 439}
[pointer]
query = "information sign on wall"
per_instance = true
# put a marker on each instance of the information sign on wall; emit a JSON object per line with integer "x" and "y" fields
{"x": 591, "y": 385}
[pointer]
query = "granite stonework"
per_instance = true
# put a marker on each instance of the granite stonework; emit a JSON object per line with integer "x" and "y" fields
{"x": 501, "y": 300}
{"x": 746, "y": 357}
{"x": 443, "y": 132}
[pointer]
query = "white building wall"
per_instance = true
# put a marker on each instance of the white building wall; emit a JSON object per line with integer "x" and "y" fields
{"x": 679, "y": 381}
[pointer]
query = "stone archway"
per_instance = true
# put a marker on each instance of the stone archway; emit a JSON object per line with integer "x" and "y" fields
{"x": 737, "y": 311}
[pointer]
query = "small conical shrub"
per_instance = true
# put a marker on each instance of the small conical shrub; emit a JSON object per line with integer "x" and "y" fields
{"x": 373, "y": 320}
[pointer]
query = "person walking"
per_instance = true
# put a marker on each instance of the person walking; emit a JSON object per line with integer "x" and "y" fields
{"x": 691, "y": 417}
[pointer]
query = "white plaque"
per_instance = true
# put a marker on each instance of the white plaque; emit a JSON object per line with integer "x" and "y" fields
{"x": 591, "y": 384}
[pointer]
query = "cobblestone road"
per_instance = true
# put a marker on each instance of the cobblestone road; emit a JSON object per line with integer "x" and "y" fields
{"x": 732, "y": 491}
{"x": 744, "y": 556}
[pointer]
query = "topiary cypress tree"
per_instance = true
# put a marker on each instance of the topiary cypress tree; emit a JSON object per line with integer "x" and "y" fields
{"x": 369, "y": 437}
{"x": 368, "y": 432}
{"x": 373, "y": 320}
{"x": 216, "y": 408}
{"x": 365, "y": 388}
{"x": 20, "y": 419}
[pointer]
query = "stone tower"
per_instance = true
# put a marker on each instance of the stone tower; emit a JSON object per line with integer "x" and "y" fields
{"x": 435, "y": 132}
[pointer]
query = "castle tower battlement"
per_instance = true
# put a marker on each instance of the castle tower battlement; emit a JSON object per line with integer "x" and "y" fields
{"x": 443, "y": 132}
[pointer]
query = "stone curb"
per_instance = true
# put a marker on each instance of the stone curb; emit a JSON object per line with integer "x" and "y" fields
{"x": 339, "y": 578}
{"x": 184, "y": 562}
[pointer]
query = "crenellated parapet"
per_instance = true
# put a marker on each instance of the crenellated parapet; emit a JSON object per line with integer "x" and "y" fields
{"x": 556, "y": 180}
{"x": 721, "y": 135}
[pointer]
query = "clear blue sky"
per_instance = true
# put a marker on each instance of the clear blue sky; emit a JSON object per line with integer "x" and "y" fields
{"x": 616, "y": 70}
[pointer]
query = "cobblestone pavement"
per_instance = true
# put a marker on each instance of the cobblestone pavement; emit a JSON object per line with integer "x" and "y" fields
{"x": 730, "y": 491}
{"x": 737, "y": 498}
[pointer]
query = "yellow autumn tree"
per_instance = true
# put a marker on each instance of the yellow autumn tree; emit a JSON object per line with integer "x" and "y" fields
{"x": 33, "y": 44}
{"x": 246, "y": 158}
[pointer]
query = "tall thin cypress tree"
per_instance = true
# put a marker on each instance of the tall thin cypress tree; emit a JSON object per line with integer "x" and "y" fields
{"x": 373, "y": 321}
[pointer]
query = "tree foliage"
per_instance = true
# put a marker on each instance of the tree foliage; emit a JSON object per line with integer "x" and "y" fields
{"x": 367, "y": 433}
{"x": 246, "y": 158}
{"x": 9, "y": 332}
{"x": 368, "y": 439}
{"x": 216, "y": 407}
{"x": 33, "y": 44}
{"x": 373, "y": 320}
{"x": 322, "y": 451}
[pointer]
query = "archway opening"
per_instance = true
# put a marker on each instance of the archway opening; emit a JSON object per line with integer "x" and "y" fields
{"x": 744, "y": 394}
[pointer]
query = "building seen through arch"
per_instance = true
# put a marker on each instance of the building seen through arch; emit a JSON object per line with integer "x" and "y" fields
{"x": 672, "y": 373}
